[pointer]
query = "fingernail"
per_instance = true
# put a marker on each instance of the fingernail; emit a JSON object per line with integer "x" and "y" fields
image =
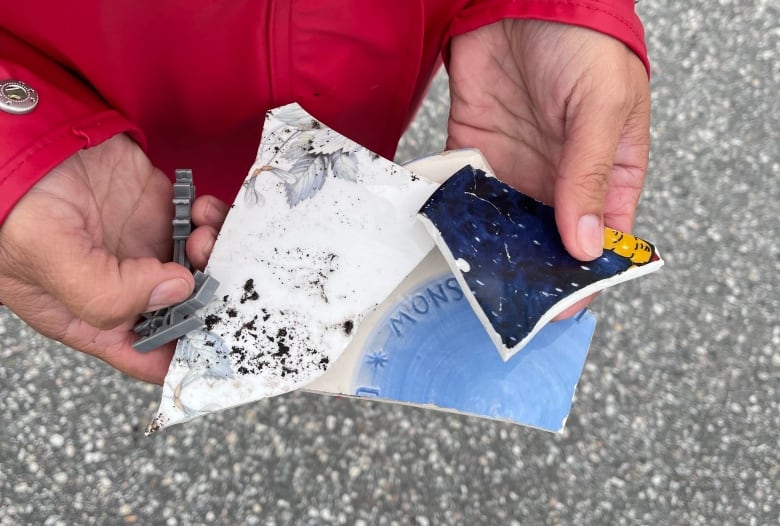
{"x": 168, "y": 293}
{"x": 207, "y": 247}
{"x": 590, "y": 235}
{"x": 213, "y": 214}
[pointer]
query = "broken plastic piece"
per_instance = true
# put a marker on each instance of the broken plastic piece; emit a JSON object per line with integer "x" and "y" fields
{"x": 183, "y": 195}
{"x": 171, "y": 323}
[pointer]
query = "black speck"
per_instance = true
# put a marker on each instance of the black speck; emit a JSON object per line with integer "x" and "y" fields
{"x": 210, "y": 321}
{"x": 156, "y": 424}
{"x": 348, "y": 326}
{"x": 232, "y": 312}
{"x": 284, "y": 350}
{"x": 246, "y": 329}
{"x": 249, "y": 291}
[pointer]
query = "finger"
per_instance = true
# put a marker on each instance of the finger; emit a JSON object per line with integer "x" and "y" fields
{"x": 208, "y": 210}
{"x": 199, "y": 245}
{"x": 593, "y": 130}
{"x": 91, "y": 282}
{"x": 574, "y": 309}
{"x": 51, "y": 318}
{"x": 628, "y": 174}
{"x": 149, "y": 367}
{"x": 99, "y": 288}
{"x": 105, "y": 292}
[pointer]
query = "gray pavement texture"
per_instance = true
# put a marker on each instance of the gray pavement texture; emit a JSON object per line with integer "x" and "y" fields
{"x": 676, "y": 419}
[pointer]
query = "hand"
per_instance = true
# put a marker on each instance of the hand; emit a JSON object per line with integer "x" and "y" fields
{"x": 562, "y": 113}
{"x": 208, "y": 214}
{"x": 81, "y": 255}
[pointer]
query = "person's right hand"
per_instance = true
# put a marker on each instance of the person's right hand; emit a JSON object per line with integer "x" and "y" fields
{"x": 81, "y": 255}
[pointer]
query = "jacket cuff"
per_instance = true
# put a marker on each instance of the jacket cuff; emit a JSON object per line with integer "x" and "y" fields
{"x": 615, "y": 18}
{"x": 69, "y": 116}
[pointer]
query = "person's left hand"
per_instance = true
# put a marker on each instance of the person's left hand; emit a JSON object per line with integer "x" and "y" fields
{"x": 561, "y": 113}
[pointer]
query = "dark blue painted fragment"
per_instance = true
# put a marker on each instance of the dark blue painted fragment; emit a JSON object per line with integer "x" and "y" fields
{"x": 517, "y": 266}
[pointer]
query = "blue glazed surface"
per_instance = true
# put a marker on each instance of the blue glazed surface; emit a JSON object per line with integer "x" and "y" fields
{"x": 518, "y": 268}
{"x": 431, "y": 349}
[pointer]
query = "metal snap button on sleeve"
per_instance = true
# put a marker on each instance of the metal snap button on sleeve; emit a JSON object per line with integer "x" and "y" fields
{"x": 17, "y": 97}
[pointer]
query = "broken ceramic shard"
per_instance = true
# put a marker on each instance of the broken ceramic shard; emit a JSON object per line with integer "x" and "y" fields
{"x": 320, "y": 233}
{"x": 506, "y": 252}
{"x": 424, "y": 346}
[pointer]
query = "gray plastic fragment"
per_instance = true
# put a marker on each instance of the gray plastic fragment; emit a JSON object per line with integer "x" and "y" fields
{"x": 183, "y": 196}
{"x": 165, "y": 325}
{"x": 171, "y": 323}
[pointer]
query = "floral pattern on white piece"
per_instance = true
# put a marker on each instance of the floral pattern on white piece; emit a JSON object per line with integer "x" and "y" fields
{"x": 321, "y": 231}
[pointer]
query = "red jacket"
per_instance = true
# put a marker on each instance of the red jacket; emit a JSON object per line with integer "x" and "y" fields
{"x": 190, "y": 80}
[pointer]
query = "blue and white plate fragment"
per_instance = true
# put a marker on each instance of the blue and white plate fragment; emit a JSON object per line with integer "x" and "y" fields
{"x": 320, "y": 233}
{"x": 424, "y": 346}
{"x": 506, "y": 252}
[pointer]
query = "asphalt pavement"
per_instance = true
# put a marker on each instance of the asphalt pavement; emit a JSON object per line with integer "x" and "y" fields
{"x": 676, "y": 418}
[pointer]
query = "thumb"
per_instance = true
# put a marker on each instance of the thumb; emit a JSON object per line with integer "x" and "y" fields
{"x": 592, "y": 133}
{"x": 105, "y": 291}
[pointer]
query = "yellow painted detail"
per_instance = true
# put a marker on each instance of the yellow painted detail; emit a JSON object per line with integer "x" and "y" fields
{"x": 637, "y": 250}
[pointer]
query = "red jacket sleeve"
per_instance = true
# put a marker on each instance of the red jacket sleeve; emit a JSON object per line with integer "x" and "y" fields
{"x": 69, "y": 116}
{"x": 616, "y": 18}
